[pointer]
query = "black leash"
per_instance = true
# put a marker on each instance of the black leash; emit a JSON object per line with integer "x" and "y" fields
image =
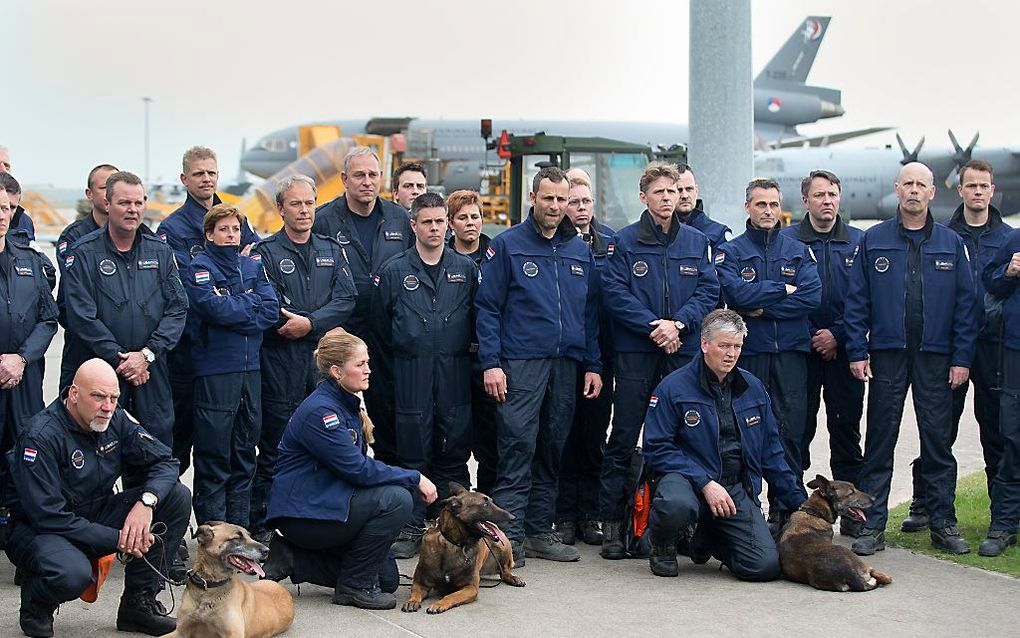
{"x": 158, "y": 535}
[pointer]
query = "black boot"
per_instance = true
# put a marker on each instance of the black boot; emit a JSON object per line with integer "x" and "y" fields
{"x": 591, "y": 532}
{"x": 612, "y": 541}
{"x": 567, "y": 531}
{"x": 663, "y": 560}
{"x": 36, "y": 619}
{"x": 996, "y": 543}
{"x": 280, "y": 563}
{"x": 916, "y": 520}
{"x": 701, "y": 545}
{"x": 140, "y": 612}
{"x": 948, "y": 539}
{"x": 373, "y": 598}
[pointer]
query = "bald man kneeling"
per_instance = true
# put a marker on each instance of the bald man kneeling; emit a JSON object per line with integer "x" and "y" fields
{"x": 64, "y": 511}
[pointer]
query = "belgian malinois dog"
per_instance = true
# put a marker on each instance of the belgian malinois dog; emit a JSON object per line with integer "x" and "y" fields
{"x": 806, "y": 550}
{"x": 464, "y": 543}
{"x": 218, "y": 603}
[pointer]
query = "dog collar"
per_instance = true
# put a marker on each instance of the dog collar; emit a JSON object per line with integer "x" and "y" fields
{"x": 813, "y": 512}
{"x": 205, "y": 584}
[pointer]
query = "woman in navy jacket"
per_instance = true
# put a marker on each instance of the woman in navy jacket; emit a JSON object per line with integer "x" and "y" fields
{"x": 336, "y": 510}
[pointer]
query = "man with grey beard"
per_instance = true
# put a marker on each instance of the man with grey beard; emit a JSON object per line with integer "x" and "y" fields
{"x": 64, "y": 514}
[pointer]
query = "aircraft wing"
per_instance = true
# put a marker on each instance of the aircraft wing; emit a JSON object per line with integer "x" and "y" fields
{"x": 823, "y": 140}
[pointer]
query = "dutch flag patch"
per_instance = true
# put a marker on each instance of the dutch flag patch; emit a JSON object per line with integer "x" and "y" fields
{"x": 490, "y": 253}
{"x": 202, "y": 277}
{"x": 330, "y": 420}
{"x": 653, "y": 401}
{"x": 29, "y": 455}
{"x": 375, "y": 280}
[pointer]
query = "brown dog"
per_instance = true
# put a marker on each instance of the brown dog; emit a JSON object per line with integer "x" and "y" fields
{"x": 217, "y": 603}
{"x": 806, "y": 551}
{"x": 465, "y": 543}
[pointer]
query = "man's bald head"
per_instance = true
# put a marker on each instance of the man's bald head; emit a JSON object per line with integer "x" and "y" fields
{"x": 915, "y": 187}
{"x": 93, "y": 395}
{"x": 579, "y": 175}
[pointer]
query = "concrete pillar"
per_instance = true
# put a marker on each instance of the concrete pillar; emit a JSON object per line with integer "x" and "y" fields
{"x": 721, "y": 147}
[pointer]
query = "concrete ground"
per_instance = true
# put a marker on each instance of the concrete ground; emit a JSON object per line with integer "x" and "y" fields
{"x": 595, "y": 597}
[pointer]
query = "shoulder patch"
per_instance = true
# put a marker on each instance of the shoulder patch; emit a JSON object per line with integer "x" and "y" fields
{"x": 68, "y": 261}
{"x": 375, "y": 280}
{"x": 29, "y": 454}
{"x": 330, "y": 421}
{"x": 489, "y": 253}
{"x": 652, "y": 402}
{"x": 201, "y": 276}
{"x": 719, "y": 258}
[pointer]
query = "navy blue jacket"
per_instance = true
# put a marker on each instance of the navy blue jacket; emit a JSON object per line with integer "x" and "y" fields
{"x": 538, "y": 297}
{"x": 715, "y": 231}
{"x": 232, "y": 304}
{"x": 28, "y": 320}
{"x": 72, "y": 233}
{"x": 603, "y": 246}
{"x": 122, "y": 303}
{"x": 57, "y": 469}
{"x": 322, "y": 459}
{"x": 650, "y": 277}
{"x": 835, "y": 257}
{"x": 20, "y": 221}
{"x": 1005, "y": 288}
{"x": 875, "y": 314}
{"x": 981, "y": 253}
{"x": 754, "y": 269}
{"x": 681, "y": 433}
{"x": 322, "y": 290}
{"x": 183, "y": 230}
{"x": 393, "y": 236}
{"x": 419, "y": 319}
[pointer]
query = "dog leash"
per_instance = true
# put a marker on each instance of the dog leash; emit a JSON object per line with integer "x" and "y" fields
{"x": 158, "y": 535}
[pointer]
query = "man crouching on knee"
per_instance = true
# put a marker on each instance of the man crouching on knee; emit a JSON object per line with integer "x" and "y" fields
{"x": 65, "y": 513}
{"x": 709, "y": 438}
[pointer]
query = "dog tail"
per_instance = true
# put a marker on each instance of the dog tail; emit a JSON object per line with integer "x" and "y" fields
{"x": 883, "y": 579}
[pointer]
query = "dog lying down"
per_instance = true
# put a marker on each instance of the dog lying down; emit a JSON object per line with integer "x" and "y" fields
{"x": 217, "y": 603}
{"x": 465, "y": 543}
{"x": 806, "y": 550}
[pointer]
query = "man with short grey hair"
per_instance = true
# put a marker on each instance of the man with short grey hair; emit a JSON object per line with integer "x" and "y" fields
{"x": 313, "y": 282}
{"x": 370, "y": 230}
{"x": 710, "y": 437}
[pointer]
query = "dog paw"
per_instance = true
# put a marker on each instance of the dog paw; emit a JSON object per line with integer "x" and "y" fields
{"x": 516, "y": 581}
{"x": 411, "y": 605}
{"x": 436, "y": 609}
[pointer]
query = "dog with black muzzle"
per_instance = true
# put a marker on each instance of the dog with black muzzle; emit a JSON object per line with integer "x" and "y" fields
{"x": 465, "y": 543}
{"x": 217, "y": 603}
{"x": 806, "y": 550}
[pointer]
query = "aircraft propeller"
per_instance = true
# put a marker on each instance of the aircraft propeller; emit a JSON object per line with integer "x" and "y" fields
{"x": 909, "y": 156}
{"x": 960, "y": 157}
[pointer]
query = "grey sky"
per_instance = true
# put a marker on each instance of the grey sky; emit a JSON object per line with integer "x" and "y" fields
{"x": 220, "y": 71}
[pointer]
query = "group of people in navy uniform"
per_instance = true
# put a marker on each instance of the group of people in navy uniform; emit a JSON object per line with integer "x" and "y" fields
{"x": 549, "y": 352}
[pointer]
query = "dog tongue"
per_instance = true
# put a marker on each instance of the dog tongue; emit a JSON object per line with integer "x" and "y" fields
{"x": 258, "y": 569}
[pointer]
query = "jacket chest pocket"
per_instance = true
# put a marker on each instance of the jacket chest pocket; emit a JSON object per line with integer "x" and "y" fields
{"x": 886, "y": 265}
{"x": 531, "y": 270}
{"x": 684, "y": 272}
{"x": 787, "y": 269}
{"x": 939, "y": 267}
{"x": 751, "y": 271}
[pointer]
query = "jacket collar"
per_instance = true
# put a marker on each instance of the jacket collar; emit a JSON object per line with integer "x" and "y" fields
{"x": 759, "y": 236}
{"x": 564, "y": 232}
{"x": 195, "y": 205}
{"x": 483, "y": 243}
{"x": 929, "y": 224}
{"x": 958, "y": 222}
{"x": 223, "y": 256}
{"x": 649, "y": 232}
{"x": 350, "y": 402}
{"x": 807, "y": 233}
{"x": 735, "y": 379}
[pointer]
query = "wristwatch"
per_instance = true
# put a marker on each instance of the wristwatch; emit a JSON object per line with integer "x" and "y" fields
{"x": 149, "y": 355}
{"x": 679, "y": 326}
{"x": 149, "y": 500}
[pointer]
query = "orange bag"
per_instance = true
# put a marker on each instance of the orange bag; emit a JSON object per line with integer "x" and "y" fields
{"x": 100, "y": 570}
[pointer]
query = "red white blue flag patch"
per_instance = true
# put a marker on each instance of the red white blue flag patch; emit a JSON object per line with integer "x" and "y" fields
{"x": 653, "y": 401}
{"x": 330, "y": 420}
{"x": 202, "y": 277}
{"x": 490, "y": 253}
{"x": 29, "y": 455}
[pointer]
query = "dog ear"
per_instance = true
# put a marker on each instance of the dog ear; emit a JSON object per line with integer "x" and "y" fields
{"x": 454, "y": 503}
{"x": 818, "y": 482}
{"x": 205, "y": 533}
{"x": 456, "y": 488}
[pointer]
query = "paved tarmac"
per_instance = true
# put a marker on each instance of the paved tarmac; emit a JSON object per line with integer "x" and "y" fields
{"x": 595, "y": 598}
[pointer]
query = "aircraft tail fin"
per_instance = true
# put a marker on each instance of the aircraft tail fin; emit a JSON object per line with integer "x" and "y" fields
{"x": 792, "y": 63}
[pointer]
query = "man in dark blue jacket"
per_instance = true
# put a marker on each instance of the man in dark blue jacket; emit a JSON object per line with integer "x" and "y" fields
{"x": 911, "y": 308}
{"x": 313, "y": 283}
{"x": 537, "y": 320}
{"x": 1001, "y": 275}
{"x": 232, "y": 304}
{"x": 20, "y": 220}
{"x": 835, "y": 245}
{"x": 710, "y": 437}
{"x": 65, "y": 513}
{"x": 74, "y": 351}
{"x": 692, "y": 212}
{"x": 28, "y": 322}
{"x": 126, "y": 302}
{"x": 370, "y": 231}
{"x": 659, "y": 285}
{"x": 183, "y": 231}
{"x": 772, "y": 281}
{"x": 980, "y": 225}
{"x": 424, "y": 313}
